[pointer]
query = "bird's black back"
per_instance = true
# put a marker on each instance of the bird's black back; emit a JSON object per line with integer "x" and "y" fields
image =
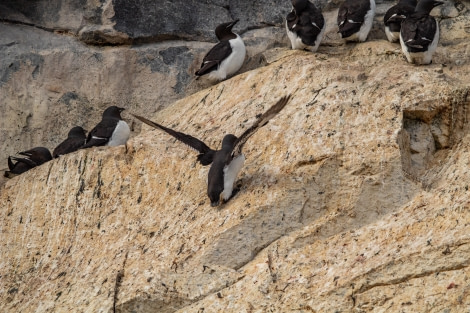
{"x": 354, "y": 10}
{"x": 214, "y": 57}
{"x": 418, "y": 31}
{"x": 396, "y": 15}
{"x": 75, "y": 140}
{"x": 302, "y": 23}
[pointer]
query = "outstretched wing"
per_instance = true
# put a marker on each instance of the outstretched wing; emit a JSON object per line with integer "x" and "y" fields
{"x": 262, "y": 120}
{"x": 206, "y": 155}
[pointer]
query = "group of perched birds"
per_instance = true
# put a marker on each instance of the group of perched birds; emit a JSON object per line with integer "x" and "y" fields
{"x": 408, "y": 21}
{"x": 112, "y": 130}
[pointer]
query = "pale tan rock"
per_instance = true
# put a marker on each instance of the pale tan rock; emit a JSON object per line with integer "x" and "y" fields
{"x": 337, "y": 212}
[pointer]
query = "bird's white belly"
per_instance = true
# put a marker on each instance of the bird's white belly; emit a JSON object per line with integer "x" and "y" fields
{"x": 233, "y": 63}
{"x": 392, "y": 36}
{"x": 296, "y": 41}
{"x": 120, "y": 135}
{"x": 230, "y": 175}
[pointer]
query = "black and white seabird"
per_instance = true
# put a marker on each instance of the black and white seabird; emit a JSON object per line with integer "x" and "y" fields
{"x": 75, "y": 140}
{"x": 226, "y": 162}
{"x": 355, "y": 18}
{"x": 395, "y": 16}
{"x": 226, "y": 57}
{"x": 419, "y": 33}
{"x": 305, "y": 25}
{"x": 111, "y": 131}
{"x": 33, "y": 157}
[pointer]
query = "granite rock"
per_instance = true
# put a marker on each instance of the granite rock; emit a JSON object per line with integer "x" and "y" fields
{"x": 343, "y": 204}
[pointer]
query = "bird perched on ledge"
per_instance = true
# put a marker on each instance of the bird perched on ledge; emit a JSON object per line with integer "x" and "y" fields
{"x": 419, "y": 33}
{"x": 395, "y": 16}
{"x": 355, "y": 18}
{"x": 226, "y": 162}
{"x": 33, "y": 157}
{"x": 111, "y": 131}
{"x": 226, "y": 57}
{"x": 75, "y": 140}
{"x": 305, "y": 25}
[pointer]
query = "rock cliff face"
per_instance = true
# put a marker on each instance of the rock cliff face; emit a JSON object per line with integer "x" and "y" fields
{"x": 353, "y": 199}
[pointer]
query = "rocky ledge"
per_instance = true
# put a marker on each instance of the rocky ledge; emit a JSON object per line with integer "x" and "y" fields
{"x": 353, "y": 199}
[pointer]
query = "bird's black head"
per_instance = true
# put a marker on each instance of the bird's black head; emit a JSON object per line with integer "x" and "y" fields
{"x": 215, "y": 202}
{"x": 214, "y": 192}
{"x": 228, "y": 142}
{"x": 224, "y": 31}
{"x": 77, "y": 132}
{"x": 113, "y": 111}
{"x": 426, "y": 6}
{"x": 299, "y": 5}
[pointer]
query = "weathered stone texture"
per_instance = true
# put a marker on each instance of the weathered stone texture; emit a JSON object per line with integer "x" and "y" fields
{"x": 46, "y": 70}
{"x": 353, "y": 199}
{"x": 334, "y": 212}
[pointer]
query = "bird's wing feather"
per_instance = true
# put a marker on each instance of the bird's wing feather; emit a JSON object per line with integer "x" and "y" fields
{"x": 419, "y": 32}
{"x": 206, "y": 153}
{"x": 351, "y": 16}
{"x": 104, "y": 129}
{"x": 307, "y": 30}
{"x": 25, "y": 161}
{"x": 11, "y": 165}
{"x": 292, "y": 20}
{"x": 214, "y": 57}
{"x": 260, "y": 122}
{"x": 101, "y": 133}
{"x": 67, "y": 146}
{"x": 316, "y": 16}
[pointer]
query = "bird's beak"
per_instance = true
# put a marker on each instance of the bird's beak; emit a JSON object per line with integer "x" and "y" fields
{"x": 437, "y": 3}
{"x": 27, "y": 153}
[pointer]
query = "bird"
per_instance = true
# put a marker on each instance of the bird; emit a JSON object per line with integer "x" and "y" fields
{"x": 355, "y": 19}
{"x": 419, "y": 33}
{"x": 226, "y": 57}
{"x": 305, "y": 25}
{"x": 33, "y": 157}
{"x": 395, "y": 16}
{"x": 75, "y": 140}
{"x": 111, "y": 131}
{"x": 227, "y": 162}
